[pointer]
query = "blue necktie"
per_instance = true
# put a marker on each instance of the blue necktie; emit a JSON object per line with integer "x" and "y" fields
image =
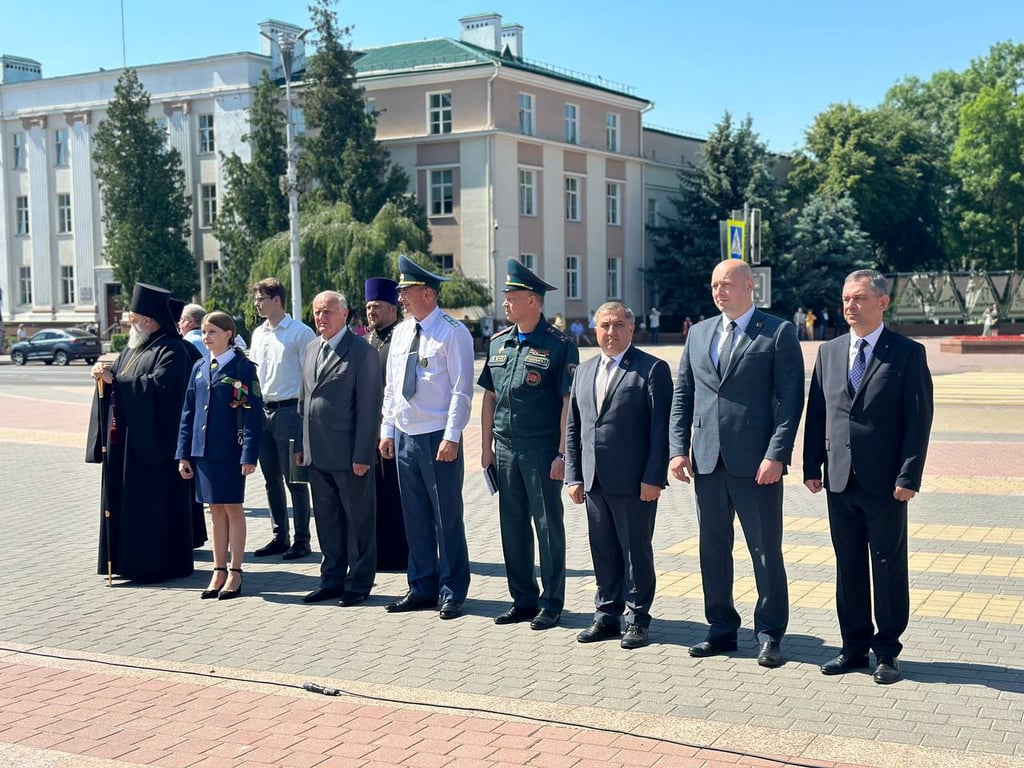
{"x": 858, "y": 367}
{"x": 412, "y": 360}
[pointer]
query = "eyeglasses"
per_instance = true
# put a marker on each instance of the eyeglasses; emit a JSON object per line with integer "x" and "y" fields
{"x": 259, "y": 299}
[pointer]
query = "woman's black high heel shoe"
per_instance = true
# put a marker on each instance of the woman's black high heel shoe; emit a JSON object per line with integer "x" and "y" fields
{"x": 228, "y": 594}
{"x": 211, "y": 594}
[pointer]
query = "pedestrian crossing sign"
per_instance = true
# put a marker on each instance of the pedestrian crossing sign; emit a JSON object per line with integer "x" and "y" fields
{"x": 736, "y": 231}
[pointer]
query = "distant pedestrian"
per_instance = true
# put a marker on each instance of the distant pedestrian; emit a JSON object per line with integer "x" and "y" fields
{"x": 800, "y": 320}
{"x": 576, "y": 329}
{"x": 21, "y": 332}
{"x": 654, "y": 324}
{"x": 687, "y": 325}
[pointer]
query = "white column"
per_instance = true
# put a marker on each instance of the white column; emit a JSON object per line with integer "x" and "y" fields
{"x": 633, "y": 208}
{"x": 44, "y": 265}
{"x": 84, "y": 218}
{"x": 596, "y": 206}
{"x": 552, "y": 186}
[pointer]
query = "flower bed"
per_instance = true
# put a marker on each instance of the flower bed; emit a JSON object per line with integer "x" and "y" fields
{"x": 965, "y": 345}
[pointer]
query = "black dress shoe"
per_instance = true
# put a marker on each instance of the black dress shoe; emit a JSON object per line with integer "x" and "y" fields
{"x": 887, "y": 671}
{"x": 545, "y": 619}
{"x": 211, "y": 594}
{"x": 411, "y": 602}
{"x": 352, "y": 598}
{"x": 599, "y": 630}
{"x": 842, "y": 664}
{"x": 450, "y": 609}
{"x": 770, "y": 654}
{"x": 296, "y": 551}
{"x": 515, "y": 614}
{"x": 275, "y": 547}
{"x": 635, "y": 637}
{"x": 226, "y": 594}
{"x": 712, "y": 647}
{"x": 324, "y": 593}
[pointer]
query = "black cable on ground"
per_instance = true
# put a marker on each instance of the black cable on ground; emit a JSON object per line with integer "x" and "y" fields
{"x": 329, "y": 691}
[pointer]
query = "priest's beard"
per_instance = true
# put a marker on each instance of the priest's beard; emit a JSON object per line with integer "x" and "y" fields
{"x": 137, "y": 336}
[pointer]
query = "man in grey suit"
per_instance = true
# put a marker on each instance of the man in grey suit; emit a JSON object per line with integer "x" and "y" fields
{"x": 616, "y": 460}
{"x": 339, "y": 404}
{"x": 738, "y": 400}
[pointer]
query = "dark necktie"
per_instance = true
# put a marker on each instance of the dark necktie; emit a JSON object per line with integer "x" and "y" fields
{"x": 412, "y": 360}
{"x": 726, "y": 354}
{"x": 322, "y": 358}
{"x": 858, "y": 367}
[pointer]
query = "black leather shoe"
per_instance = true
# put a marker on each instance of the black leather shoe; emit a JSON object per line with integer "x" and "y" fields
{"x": 545, "y": 619}
{"x": 635, "y": 637}
{"x": 842, "y": 664}
{"x": 324, "y": 593}
{"x": 352, "y": 598}
{"x": 599, "y": 630}
{"x": 275, "y": 547}
{"x": 515, "y": 614}
{"x": 450, "y": 609}
{"x": 226, "y": 594}
{"x": 296, "y": 551}
{"x": 212, "y": 594}
{"x": 712, "y": 647}
{"x": 887, "y": 671}
{"x": 770, "y": 654}
{"x": 411, "y": 602}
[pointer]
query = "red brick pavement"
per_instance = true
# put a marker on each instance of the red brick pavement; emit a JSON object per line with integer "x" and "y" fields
{"x": 197, "y": 722}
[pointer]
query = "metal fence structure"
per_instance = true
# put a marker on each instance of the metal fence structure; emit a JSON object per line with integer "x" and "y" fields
{"x": 955, "y": 297}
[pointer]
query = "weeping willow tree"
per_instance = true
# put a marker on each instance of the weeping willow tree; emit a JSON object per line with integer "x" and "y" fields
{"x": 339, "y": 253}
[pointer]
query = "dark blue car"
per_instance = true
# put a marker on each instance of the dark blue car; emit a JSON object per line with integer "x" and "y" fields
{"x": 59, "y": 346}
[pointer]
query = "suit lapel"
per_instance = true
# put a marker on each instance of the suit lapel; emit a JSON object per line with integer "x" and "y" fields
{"x": 339, "y": 354}
{"x": 749, "y": 334}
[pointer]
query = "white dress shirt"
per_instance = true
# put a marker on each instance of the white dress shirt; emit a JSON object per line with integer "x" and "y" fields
{"x": 277, "y": 352}
{"x": 723, "y": 332}
{"x": 444, "y": 378}
{"x": 869, "y": 348}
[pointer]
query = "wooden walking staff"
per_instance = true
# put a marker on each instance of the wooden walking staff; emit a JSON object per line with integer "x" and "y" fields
{"x": 103, "y": 451}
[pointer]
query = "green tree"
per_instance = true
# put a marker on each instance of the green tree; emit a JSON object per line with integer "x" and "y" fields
{"x": 146, "y": 211}
{"x": 343, "y": 161}
{"x": 827, "y": 245}
{"x": 988, "y": 157}
{"x": 340, "y": 253}
{"x": 734, "y": 168}
{"x": 254, "y": 206}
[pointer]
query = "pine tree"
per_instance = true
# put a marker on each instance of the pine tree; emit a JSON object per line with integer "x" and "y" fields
{"x": 342, "y": 160}
{"x": 254, "y": 206}
{"x": 146, "y": 211}
{"x": 734, "y": 168}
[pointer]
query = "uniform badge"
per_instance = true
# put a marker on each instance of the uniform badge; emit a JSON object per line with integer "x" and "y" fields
{"x": 533, "y": 378}
{"x": 571, "y": 368}
{"x": 424, "y": 362}
{"x": 497, "y": 360}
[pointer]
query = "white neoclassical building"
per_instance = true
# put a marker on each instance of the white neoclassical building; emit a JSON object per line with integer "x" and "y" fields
{"x": 511, "y": 158}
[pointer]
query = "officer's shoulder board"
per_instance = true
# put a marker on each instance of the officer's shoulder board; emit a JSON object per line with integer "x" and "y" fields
{"x": 450, "y": 320}
{"x": 503, "y": 332}
{"x": 559, "y": 335}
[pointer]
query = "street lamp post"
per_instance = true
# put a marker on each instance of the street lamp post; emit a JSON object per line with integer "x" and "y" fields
{"x": 286, "y": 45}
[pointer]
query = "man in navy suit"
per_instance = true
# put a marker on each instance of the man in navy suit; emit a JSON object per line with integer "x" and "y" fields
{"x": 616, "y": 459}
{"x": 869, "y": 415}
{"x": 339, "y": 403}
{"x": 737, "y": 405}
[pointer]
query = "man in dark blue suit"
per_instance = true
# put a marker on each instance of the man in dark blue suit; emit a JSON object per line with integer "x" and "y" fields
{"x": 869, "y": 415}
{"x": 737, "y": 405}
{"x": 616, "y": 459}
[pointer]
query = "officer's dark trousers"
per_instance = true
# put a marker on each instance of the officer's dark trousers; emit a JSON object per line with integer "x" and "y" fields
{"x": 527, "y": 495}
{"x": 280, "y": 426}
{"x": 432, "y": 506}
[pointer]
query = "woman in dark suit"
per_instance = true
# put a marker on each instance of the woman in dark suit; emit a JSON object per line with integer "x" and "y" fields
{"x": 219, "y": 443}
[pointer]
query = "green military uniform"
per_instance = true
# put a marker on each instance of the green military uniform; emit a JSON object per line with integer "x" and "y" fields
{"x": 530, "y": 376}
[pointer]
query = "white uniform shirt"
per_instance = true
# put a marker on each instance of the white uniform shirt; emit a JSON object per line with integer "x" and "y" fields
{"x": 277, "y": 353}
{"x": 444, "y": 378}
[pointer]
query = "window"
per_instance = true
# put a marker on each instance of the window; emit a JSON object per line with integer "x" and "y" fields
{"x": 18, "y": 159}
{"x": 572, "y": 277}
{"x": 21, "y": 215}
{"x": 60, "y": 147}
{"x": 614, "y": 286}
{"x": 614, "y": 208}
{"x": 572, "y": 135}
{"x": 652, "y": 212}
{"x": 208, "y": 200}
{"x": 24, "y": 285}
{"x": 526, "y": 114}
{"x": 206, "y": 139}
{"x": 529, "y": 260}
{"x": 64, "y": 216}
{"x": 446, "y": 262}
{"x": 439, "y": 112}
{"x": 210, "y": 269}
{"x": 442, "y": 193}
{"x": 370, "y": 106}
{"x": 67, "y": 285}
{"x": 527, "y": 193}
{"x": 611, "y": 132}
{"x": 572, "y": 198}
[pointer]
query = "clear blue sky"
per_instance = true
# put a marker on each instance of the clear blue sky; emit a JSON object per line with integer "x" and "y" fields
{"x": 781, "y": 62}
